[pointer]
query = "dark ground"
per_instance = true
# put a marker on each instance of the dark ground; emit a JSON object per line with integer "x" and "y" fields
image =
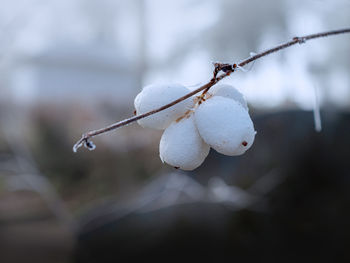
{"x": 303, "y": 217}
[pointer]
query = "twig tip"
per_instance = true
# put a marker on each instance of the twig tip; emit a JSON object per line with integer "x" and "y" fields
{"x": 86, "y": 142}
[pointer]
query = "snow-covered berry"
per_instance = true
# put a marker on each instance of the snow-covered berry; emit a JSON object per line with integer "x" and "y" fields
{"x": 181, "y": 145}
{"x": 228, "y": 91}
{"x": 225, "y": 125}
{"x": 154, "y": 96}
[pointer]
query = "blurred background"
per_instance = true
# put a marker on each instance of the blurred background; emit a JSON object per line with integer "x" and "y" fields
{"x": 69, "y": 66}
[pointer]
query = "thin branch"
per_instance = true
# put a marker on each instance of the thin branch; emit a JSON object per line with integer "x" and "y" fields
{"x": 223, "y": 68}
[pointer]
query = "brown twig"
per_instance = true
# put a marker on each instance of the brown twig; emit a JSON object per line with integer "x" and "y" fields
{"x": 223, "y": 68}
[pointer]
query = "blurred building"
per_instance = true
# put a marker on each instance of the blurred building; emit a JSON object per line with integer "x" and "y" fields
{"x": 69, "y": 73}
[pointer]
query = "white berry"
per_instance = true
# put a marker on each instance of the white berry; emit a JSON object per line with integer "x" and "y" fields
{"x": 228, "y": 91}
{"x": 154, "y": 96}
{"x": 225, "y": 125}
{"x": 181, "y": 145}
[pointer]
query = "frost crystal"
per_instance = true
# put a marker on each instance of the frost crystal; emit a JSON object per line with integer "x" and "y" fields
{"x": 316, "y": 111}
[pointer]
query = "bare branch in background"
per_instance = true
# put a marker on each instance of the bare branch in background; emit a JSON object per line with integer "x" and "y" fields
{"x": 223, "y": 68}
{"x": 26, "y": 175}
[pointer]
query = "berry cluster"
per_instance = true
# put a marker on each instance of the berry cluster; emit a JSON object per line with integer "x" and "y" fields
{"x": 218, "y": 119}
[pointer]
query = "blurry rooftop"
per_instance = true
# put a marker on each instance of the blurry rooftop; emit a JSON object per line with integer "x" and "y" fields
{"x": 71, "y": 73}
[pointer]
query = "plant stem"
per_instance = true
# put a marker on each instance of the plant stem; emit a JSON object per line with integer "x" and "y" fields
{"x": 226, "y": 70}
